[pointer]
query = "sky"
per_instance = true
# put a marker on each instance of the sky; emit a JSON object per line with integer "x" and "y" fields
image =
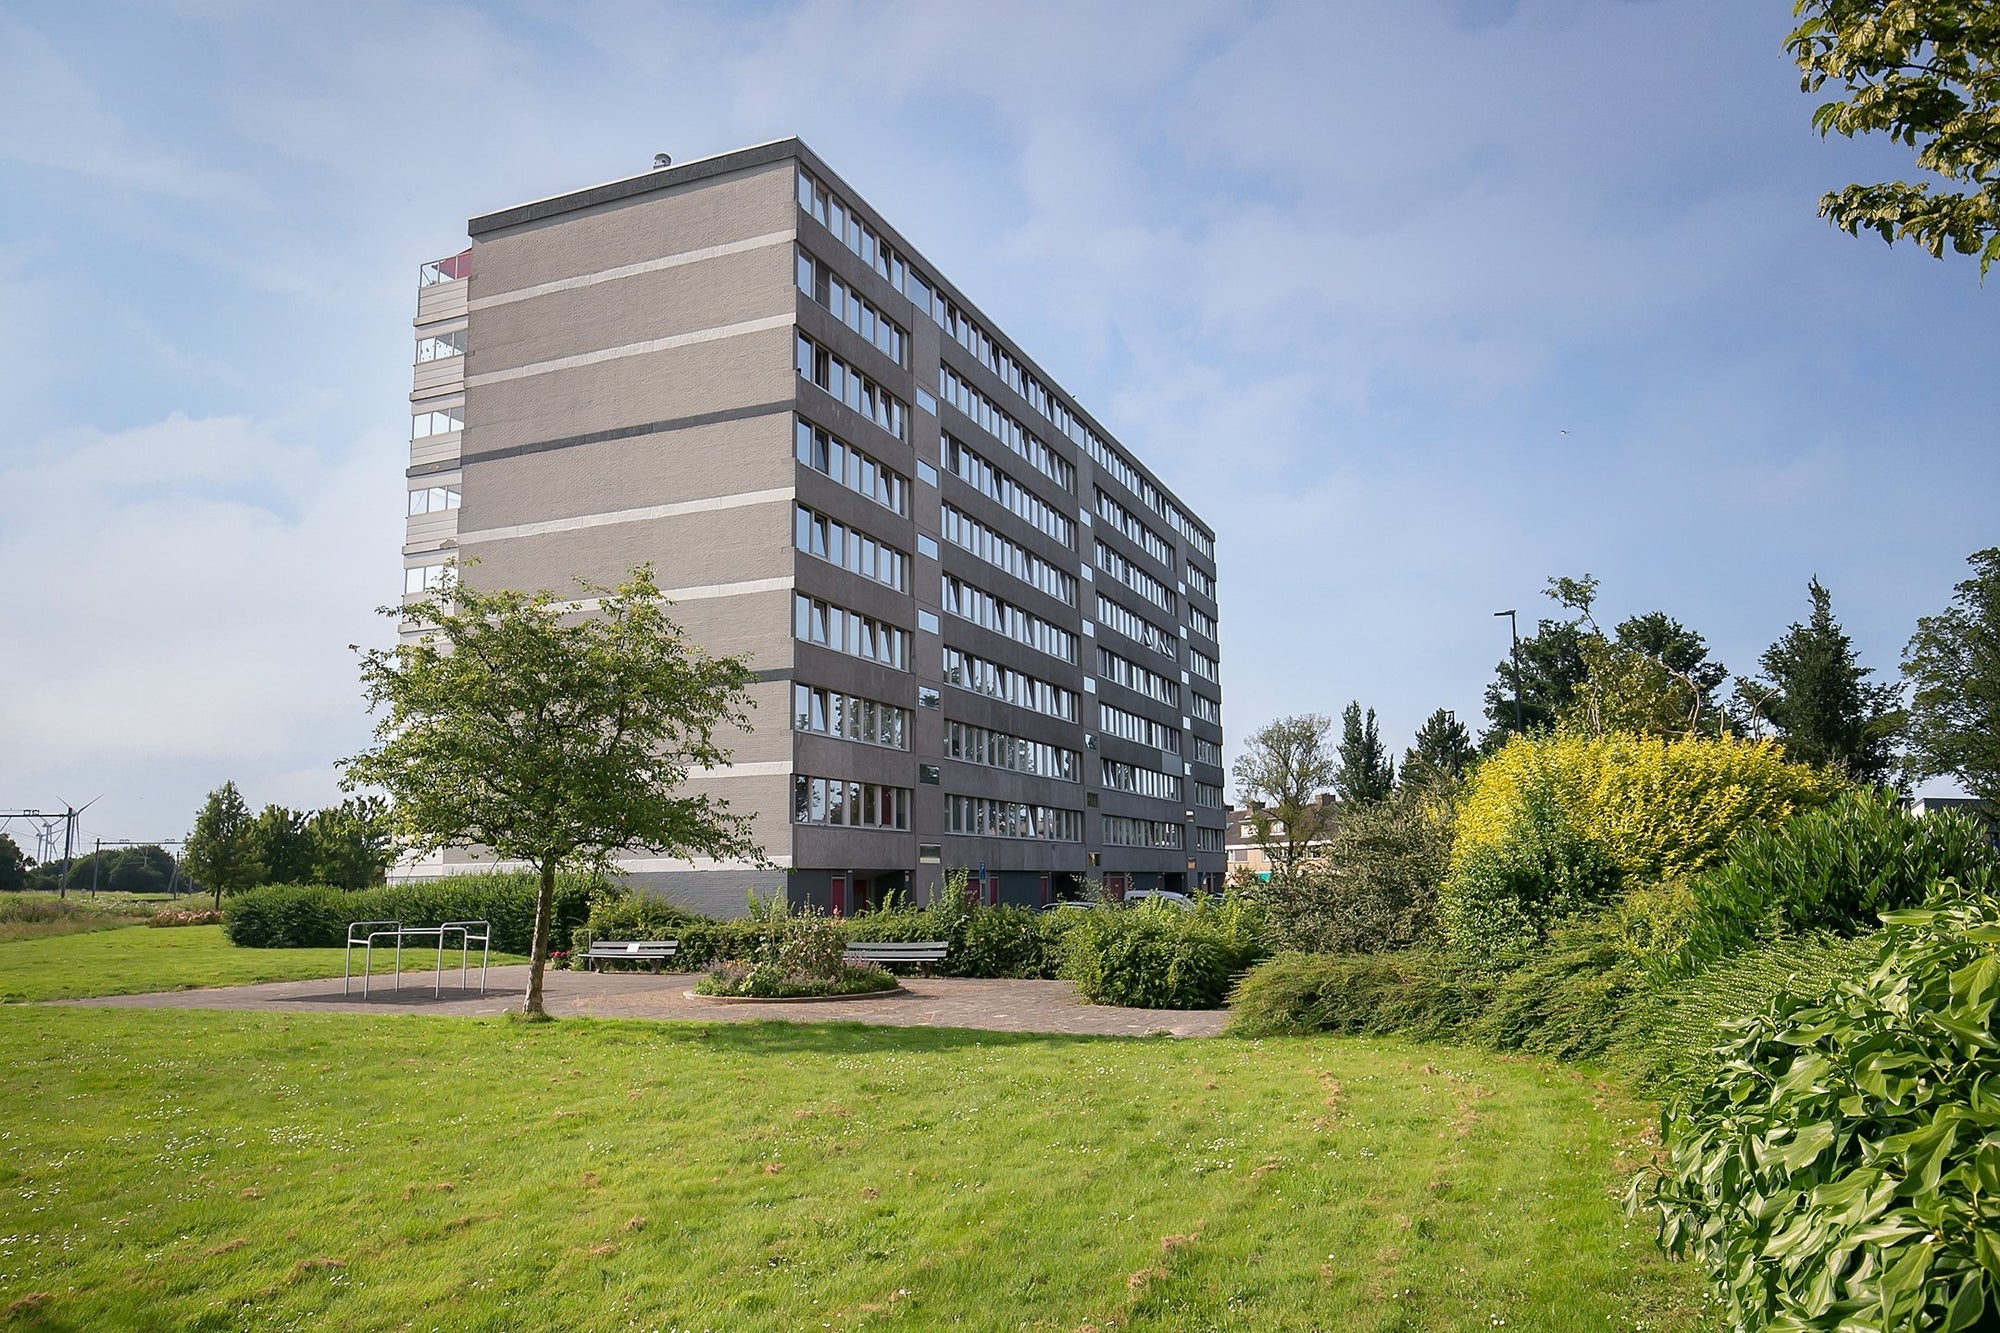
{"x": 1417, "y": 302}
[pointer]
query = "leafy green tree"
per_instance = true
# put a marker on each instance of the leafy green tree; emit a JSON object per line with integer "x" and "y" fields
{"x": 1441, "y": 752}
{"x": 1285, "y": 766}
{"x": 1818, "y": 698}
{"x": 1377, "y": 889}
{"x": 1366, "y": 773}
{"x": 1952, "y": 665}
{"x": 557, "y": 740}
{"x": 221, "y": 851}
{"x": 1552, "y": 670}
{"x": 284, "y": 848}
{"x": 1652, "y": 677}
{"x": 353, "y": 845}
{"x": 1927, "y": 73}
{"x": 142, "y": 870}
{"x": 13, "y": 866}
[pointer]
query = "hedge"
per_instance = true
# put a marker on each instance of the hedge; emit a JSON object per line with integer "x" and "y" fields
{"x": 316, "y": 916}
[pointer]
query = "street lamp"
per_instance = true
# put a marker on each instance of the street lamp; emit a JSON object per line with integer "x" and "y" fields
{"x": 1514, "y": 627}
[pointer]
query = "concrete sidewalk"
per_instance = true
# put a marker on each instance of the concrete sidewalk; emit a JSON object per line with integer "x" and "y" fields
{"x": 994, "y": 1006}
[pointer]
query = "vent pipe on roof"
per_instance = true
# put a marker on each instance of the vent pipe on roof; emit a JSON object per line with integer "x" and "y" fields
{"x": 661, "y": 160}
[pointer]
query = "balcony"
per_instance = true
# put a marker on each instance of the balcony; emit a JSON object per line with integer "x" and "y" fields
{"x": 441, "y": 288}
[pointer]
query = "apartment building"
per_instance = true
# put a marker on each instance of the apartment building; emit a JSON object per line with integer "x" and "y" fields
{"x": 984, "y": 634}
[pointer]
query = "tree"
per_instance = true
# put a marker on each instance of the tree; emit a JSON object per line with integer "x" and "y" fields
{"x": 1441, "y": 751}
{"x": 13, "y": 866}
{"x": 1378, "y": 888}
{"x": 352, "y": 843}
{"x": 1285, "y": 766}
{"x": 1366, "y": 772}
{"x": 1927, "y": 72}
{"x": 1651, "y": 678}
{"x": 1818, "y": 698}
{"x": 1952, "y": 665}
{"x": 141, "y": 870}
{"x": 283, "y": 846}
{"x": 557, "y": 740}
{"x": 1552, "y": 670}
{"x": 221, "y": 852}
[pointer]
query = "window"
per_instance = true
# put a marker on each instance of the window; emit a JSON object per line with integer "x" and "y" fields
{"x": 927, "y": 401}
{"x": 824, "y": 286}
{"x": 985, "y": 818}
{"x": 1199, "y": 580}
{"x": 961, "y": 529}
{"x": 927, "y": 545}
{"x": 1132, "y": 676}
{"x": 1121, "y": 518}
{"x": 1140, "y": 781}
{"x": 1208, "y": 794}
{"x": 1201, "y": 622}
{"x": 1208, "y": 840}
{"x": 427, "y": 578}
{"x": 1005, "y": 429}
{"x": 927, "y": 621}
{"x": 997, "y": 486}
{"x": 849, "y": 804}
{"x": 930, "y": 775}
{"x": 850, "y": 230}
{"x": 438, "y": 346}
{"x": 837, "y": 544}
{"x": 426, "y": 424}
{"x": 927, "y": 474}
{"x": 928, "y": 697}
{"x": 983, "y": 608}
{"x": 1137, "y": 628}
{"x": 1122, "y": 832}
{"x": 1205, "y": 708}
{"x": 1135, "y": 578}
{"x": 1007, "y": 685}
{"x": 831, "y": 713}
{"x": 1207, "y": 752}
{"x": 930, "y": 853}
{"x": 433, "y": 499}
{"x": 827, "y": 454}
{"x": 1141, "y": 729}
{"x": 850, "y": 386}
{"x": 997, "y": 749}
{"x": 844, "y": 631}
{"x": 1203, "y": 665}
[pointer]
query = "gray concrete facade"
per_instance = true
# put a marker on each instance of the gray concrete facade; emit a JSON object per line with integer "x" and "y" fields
{"x": 630, "y": 391}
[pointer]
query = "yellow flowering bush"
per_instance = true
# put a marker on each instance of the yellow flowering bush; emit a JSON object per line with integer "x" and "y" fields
{"x": 1660, "y": 809}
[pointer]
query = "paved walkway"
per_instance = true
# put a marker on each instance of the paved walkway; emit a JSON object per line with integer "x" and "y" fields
{"x": 995, "y": 1006}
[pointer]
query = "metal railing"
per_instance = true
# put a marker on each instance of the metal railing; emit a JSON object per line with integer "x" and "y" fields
{"x": 366, "y": 933}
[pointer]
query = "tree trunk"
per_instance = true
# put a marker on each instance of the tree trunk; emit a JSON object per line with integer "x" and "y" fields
{"x": 538, "y": 952}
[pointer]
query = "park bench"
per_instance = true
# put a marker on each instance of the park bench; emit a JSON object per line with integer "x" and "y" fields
{"x": 655, "y": 952}
{"x": 883, "y": 952}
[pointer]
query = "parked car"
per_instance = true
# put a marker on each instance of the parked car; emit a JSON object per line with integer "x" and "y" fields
{"x": 1165, "y": 897}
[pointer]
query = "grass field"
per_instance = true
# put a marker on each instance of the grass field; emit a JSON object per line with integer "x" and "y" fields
{"x": 193, "y": 1170}
{"x": 132, "y": 960}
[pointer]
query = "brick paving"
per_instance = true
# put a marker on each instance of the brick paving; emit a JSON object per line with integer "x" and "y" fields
{"x": 994, "y": 1006}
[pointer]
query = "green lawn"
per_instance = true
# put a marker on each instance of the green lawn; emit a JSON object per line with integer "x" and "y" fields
{"x": 198, "y": 1170}
{"x": 133, "y": 960}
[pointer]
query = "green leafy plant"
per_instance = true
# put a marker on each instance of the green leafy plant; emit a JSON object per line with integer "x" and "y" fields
{"x": 1148, "y": 957}
{"x": 1426, "y": 994}
{"x": 1834, "y": 869}
{"x": 1840, "y": 1169}
{"x": 1505, "y": 895}
{"x": 316, "y": 916}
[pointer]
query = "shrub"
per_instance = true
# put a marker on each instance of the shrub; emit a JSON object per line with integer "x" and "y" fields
{"x": 1425, "y": 994}
{"x": 175, "y": 916}
{"x": 1838, "y": 1170}
{"x": 316, "y": 916}
{"x": 1834, "y": 869}
{"x": 1378, "y": 888}
{"x": 1567, "y": 999}
{"x": 1659, "y": 809}
{"x": 1147, "y": 957}
{"x": 1670, "y": 1031}
{"x": 1506, "y": 894}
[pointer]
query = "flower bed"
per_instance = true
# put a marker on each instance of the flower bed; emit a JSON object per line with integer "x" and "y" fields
{"x": 767, "y": 981}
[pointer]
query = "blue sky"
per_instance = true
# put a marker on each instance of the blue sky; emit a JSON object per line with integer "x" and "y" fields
{"x": 1343, "y": 273}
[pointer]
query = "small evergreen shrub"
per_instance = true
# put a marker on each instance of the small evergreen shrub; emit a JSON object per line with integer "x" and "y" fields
{"x": 1424, "y": 994}
{"x": 1839, "y": 1168}
{"x": 1834, "y": 869}
{"x": 1377, "y": 887}
{"x": 317, "y": 917}
{"x": 1147, "y": 958}
{"x": 1567, "y": 999}
{"x": 1506, "y": 894}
